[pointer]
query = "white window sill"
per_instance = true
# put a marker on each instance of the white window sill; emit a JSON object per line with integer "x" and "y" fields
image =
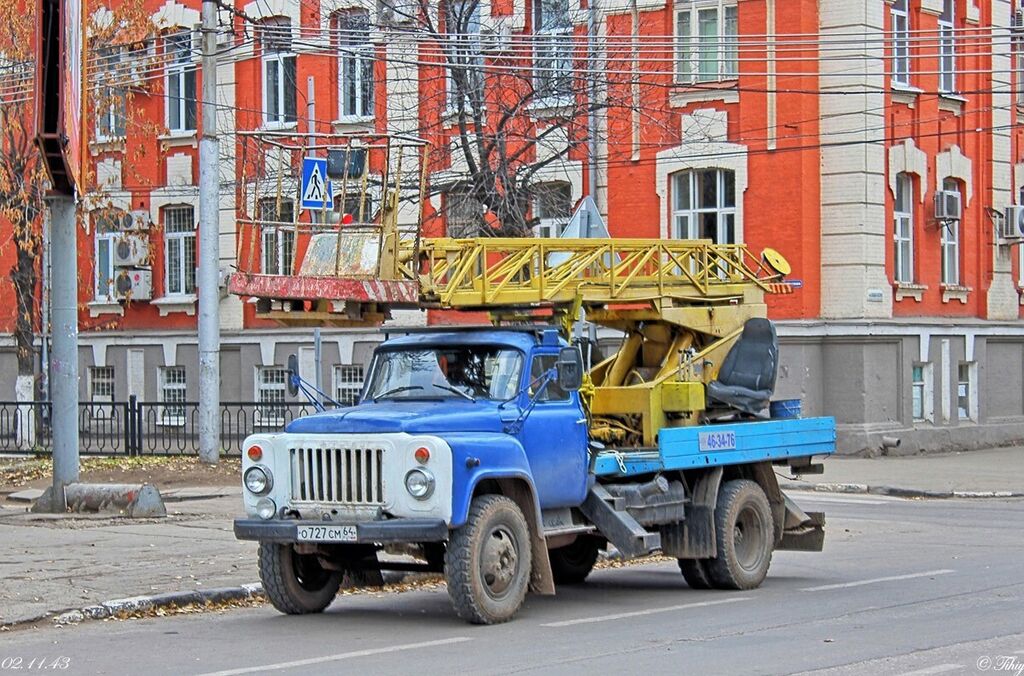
{"x": 685, "y": 94}
{"x": 279, "y": 126}
{"x": 106, "y": 145}
{"x": 451, "y": 115}
{"x": 169, "y": 304}
{"x": 905, "y": 94}
{"x": 909, "y": 290}
{"x": 354, "y": 123}
{"x": 105, "y": 307}
{"x": 951, "y": 292}
{"x": 176, "y": 139}
{"x": 952, "y": 103}
{"x": 556, "y": 106}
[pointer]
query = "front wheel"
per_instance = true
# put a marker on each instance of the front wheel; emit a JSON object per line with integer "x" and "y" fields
{"x": 745, "y": 535}
{"x": 487, "y": 562}
{"x": 296, "y": 584}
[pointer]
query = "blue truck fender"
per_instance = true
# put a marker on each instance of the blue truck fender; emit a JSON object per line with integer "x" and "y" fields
{"x": 479, "y": 457}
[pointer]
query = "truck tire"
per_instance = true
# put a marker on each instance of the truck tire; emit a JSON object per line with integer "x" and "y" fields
{"x": 488, "y": 561}
{"x": 296, "y": 584}
{"x": 572, "y": 564}
{"x": 745, "y": 535}
{"x": 695, "y": 572}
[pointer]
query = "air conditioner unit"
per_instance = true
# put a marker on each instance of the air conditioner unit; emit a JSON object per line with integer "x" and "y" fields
{"x": 1013, "y": 224}
{"x": 134, "y": 285}
{"x": 947, "y": 205}
{"x": 131, "y": 250}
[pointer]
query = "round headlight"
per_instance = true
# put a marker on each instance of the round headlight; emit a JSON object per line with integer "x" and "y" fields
{"x": 419, "y": 483}
{"x": 258, "y": 480}
{"x": 265, "y": 508}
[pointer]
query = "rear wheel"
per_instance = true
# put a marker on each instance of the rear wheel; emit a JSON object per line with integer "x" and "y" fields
{"x": 695, "y": 572}
{"x": 572, "y": 564}
{"x": 488, "y": 560}
{"x": 296, "y": 584}
{"x": 745, "y": 536}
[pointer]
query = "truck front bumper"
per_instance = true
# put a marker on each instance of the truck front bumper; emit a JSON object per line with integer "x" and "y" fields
{"x": 394, "y": 530}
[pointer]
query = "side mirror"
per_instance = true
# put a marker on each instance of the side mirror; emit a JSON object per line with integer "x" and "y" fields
{"x": 293, "y": 375}
{"x": 570, "y": 369}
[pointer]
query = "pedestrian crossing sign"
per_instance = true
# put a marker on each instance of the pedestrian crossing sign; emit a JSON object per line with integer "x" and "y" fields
{"x": 316, "y": 189}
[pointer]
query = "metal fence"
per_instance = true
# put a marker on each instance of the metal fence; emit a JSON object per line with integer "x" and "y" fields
{"x": 141, "y": 428}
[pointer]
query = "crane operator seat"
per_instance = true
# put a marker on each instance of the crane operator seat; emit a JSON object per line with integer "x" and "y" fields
{"x": 746, "y": 379}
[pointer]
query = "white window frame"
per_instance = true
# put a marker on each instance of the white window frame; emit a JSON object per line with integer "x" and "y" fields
{"x": 967, "y": 389}
{"x": 947, "y": 48}
{"x": 180, "y": 244}
{"x": 180, "y": 71}
{"x": 273, "y": 56}
{"x": 356, "y": 54}
{"x": 467, "y": 50}
{"x": 278, "y": 240}
{"x": 102, "y": 412}
{"x": 900, "y": 35}
{"x": 111, "y": 95}
{"x": 553, "y": 55}
{"x": 686, "y": 217}
{"x": 722, "y": 49}
{"x": 903, "y": 230}
{"x": 348, "y": 383}
{"x": 173, "y": 394}
{"x": 271, "y": 395}
{"x": 551, "y": 225}
{"x": 922, "y": 389}
{"x": 949, "y": 241}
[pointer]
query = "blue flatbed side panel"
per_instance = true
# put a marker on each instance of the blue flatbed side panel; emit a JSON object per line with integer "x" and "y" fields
{"x": 726, "y": 444}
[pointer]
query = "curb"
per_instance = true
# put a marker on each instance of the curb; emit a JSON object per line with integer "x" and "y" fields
{"x": 167, "y": 600}
{"x": 896, "y": 491}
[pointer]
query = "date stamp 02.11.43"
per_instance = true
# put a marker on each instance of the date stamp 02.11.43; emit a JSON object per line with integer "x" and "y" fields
{"x": 38, "y": 663}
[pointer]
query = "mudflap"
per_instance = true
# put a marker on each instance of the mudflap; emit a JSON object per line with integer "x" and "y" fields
{"x": 806, "y": 536}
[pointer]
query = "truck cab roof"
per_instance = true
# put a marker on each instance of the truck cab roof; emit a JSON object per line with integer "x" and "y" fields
{"x": 519, "y": 338}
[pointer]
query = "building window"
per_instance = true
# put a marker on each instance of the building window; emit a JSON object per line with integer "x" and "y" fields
{"x": 278, "y": 244}
{"x": 947, "y": 49}
{"x": 552, "y": 208}
{"x": 271, "y": 384}
{"x": 903, "y": 229}
{"x": 180, "y": 82}
{"x": 553, "y": 63}
{"x": 704, "y": 205}
{"x": 463, "y": 214}
{"x": 465, "y": 57}
{"x": 279, "y": 86}
{"x": 900, "y": 24}
{"x": 101, "y": 384}
{"x": 109, "y": 227}
{"x": 180, "y": 250}
{"x": 706, "y": 41}
{"x": 348, "y": 383}
{"x": 111, "y": 103}
{"x": 950, "y": 241}
{"x": 172, "y": 395}
{"x": 966, "y": 391}
{"x": 355, "y": 65}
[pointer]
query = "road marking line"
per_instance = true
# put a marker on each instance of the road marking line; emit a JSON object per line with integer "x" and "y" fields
{"x": 937, "y": 669}
{"x": 892, "y": 578}
{"x": 844, "y": 501}
{"x": 338, "y": 657}
{"x": 639, "y": 613}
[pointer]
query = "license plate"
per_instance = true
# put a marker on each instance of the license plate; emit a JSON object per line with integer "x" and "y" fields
{"x": 327, "y": 534}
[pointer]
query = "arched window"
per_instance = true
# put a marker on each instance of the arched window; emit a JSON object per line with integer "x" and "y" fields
{"x": 903, "y": 229}
{"x": 180, "y": 81}
{"x": 355, "y": 65}
{"x": 279, "y": 86}
{"x": 704, "y": 205}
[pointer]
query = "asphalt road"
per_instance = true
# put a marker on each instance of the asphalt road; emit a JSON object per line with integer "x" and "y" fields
{"x": 903, "y": 587}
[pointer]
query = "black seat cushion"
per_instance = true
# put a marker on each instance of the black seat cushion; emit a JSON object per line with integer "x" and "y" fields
{"x": 746, "y": 380}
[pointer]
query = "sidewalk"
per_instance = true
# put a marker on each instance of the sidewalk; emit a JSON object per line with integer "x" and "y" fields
{"x": 53, "y": 564}
{"x": 997, "y": 472}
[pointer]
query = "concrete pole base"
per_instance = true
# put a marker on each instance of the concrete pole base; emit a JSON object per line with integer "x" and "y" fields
{"x": 132, "y": 500}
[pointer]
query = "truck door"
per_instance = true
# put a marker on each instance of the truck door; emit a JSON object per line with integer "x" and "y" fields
{"x": 555, "y": 438}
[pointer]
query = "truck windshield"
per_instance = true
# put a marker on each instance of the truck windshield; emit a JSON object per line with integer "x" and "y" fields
{"x": 464, "y": 372}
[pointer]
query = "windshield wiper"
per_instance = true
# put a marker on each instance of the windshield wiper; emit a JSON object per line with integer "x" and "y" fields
{"x": 455, "y": 390}
{"x": 396, "y": 390}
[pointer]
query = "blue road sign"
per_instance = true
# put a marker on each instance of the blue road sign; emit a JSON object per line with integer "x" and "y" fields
{"x": 316, "y": 189}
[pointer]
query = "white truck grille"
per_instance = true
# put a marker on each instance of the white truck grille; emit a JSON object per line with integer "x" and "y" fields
{"x": 338, "y": 475}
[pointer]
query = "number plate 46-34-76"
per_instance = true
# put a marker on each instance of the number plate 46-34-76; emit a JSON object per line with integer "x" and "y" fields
{"x": 327, "y": 534}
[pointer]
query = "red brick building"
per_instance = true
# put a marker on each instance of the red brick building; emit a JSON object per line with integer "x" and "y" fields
{"x": 824, "y": 129}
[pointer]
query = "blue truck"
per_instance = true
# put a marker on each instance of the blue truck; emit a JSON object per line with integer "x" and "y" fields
{"x": 479, "y": 452}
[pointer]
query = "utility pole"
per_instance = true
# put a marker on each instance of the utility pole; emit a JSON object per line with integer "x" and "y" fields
{"x": 64, "y": 356}
{"x": 209, "y": 248}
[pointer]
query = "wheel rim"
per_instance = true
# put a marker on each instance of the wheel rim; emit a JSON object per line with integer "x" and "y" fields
{"x": 499, "y": 562}
{"x": 748, "y": 538}
{"x": 310, "y": 575}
